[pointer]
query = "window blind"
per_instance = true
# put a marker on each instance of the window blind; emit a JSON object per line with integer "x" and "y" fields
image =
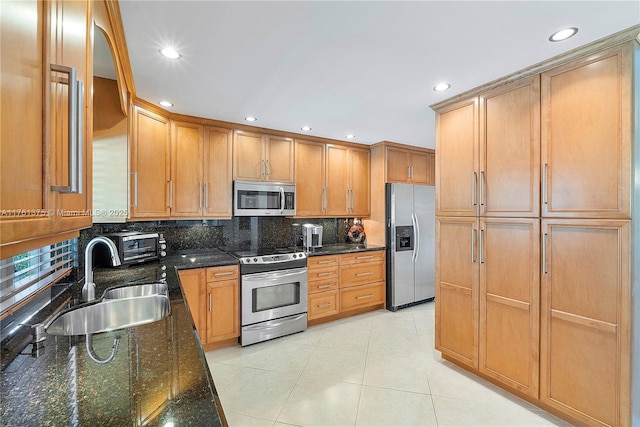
{"x": 24, "y": 276}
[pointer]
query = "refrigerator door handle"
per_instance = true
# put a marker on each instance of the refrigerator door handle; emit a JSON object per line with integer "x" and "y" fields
{"x": 414, "y": 253}
{"x": 416, "y": 236}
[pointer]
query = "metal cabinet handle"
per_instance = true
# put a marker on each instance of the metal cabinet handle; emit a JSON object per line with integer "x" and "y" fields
{"x": 324, "y": 274}
{"x": 368, "y": 273}
{"x": 408, "y": 172}
{"x": 226, "y": 273}
{"x": 324, "y": 305}
{"x": 170, "y": 194}
{"x": 481, "y": 186}
{"x": 473, "y": 245}
{"x": 474, "y": 180}
{"x": 480, "y": 246}
{"x": 324, "y": 262}
{"x": 324, "y": 199}
{"x": 135, "y": 189}
{"x": 75, "y": 96}
{"x": 210, "y": 303}
{"x": 364, "y": 257}
{"x": 268, "y": 168}
{"x": 364, "y": 296}
{"x": 323, "y": 286}
{"x": 262, "y": 168}
{"x": 544, "y": 253}
{"x": 545, "y": 167}
{"x": 206, "y": 195}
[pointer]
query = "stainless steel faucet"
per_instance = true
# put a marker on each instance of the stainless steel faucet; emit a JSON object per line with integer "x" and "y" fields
{"x": 89, "y": 288}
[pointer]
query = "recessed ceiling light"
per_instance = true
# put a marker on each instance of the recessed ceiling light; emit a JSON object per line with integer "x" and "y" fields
{"x": 441, "y": 86}
{"x": 170, "y": 52}
{"x": 166, "y": 104}
{"x": 306, "y": 128}
{"x": 250, "y": 119}
{"x": 563, "y": 34}
{"x": 350, "y": 136}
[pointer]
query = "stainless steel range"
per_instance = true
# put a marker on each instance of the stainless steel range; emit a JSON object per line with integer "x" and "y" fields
{"x": 273, "y": 293}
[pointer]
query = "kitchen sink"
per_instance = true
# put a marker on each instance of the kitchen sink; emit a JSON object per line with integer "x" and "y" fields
{"x": 119, "y": 308}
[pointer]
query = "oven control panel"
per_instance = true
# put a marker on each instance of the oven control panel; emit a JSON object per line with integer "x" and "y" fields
{"x": 270, "y": 259}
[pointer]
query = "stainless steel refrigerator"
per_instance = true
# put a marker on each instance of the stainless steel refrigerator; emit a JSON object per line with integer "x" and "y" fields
{"x": 411, "y": 250}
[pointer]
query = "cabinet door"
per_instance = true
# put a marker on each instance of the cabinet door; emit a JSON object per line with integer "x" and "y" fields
{"x": 420, "y": 168}
{"x": 457, "y": 289}
{"x": 397, "y": 165}
{"x": 22, "y": 183}
{"x": 69, "y": 43}
{"x": 150, "y": 154}
{"x": 360, "y": 182}
{"x": 279, "y": 158}
{"x": 337, "y": 179}
{"x": 186, "y": 169}
{"x": 585, "y": 319}
{"x": 310, "y": 164}
{"x": 218, "y": 184}
{"x": 509, "y": 258}
{"x": 223, "y": 313}
{"x": 248, "y": 156}
{"x": 586, "y": 136}
{"x": 509, "y": 180}
{"x": 193, "y": 284}
{"x": 457, "y": 159}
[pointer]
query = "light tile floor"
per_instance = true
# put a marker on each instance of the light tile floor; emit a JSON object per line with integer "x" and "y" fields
{"x": 374, "y": 369}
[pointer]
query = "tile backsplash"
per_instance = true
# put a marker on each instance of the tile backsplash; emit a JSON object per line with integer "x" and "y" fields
{"x": 234, "y": 233}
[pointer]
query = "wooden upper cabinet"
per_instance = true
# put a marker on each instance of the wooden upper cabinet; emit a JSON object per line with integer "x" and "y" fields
{"x": 587, "y": 136}
{"x": 509, "y": 174}
{"x": 151, "y": 191}
{"x": 360, "y": 181}
{"x": 337, "y": 180}
{"x": 217, "y": 176}
{"x": 408, "y": 166}
{"x": 186, "y": 169}
{"x": 36, "y": 139}
{"x": 310, "y": 165}
{"x": 257, "y": 157}
{"x": 457, "y": 159}
{"x": 279, "y": 157}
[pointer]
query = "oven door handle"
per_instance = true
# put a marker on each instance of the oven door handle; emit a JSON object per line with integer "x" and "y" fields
{"x": 273, "y": 324}
{"x": 267, "y": 278}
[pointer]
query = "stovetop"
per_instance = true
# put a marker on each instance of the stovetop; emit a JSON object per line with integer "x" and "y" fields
{"x": 269, "y": 255}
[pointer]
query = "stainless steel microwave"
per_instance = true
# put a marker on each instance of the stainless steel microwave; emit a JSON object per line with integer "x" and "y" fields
{"x": 133, "y": 247}
{"x": 263, "y": 199}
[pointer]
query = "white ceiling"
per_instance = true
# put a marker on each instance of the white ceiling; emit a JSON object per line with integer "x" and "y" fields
{"x": 359, "y": 67}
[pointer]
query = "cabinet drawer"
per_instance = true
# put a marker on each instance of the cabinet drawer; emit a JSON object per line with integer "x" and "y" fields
{"x": 323, "y": 285}
{"x": 323, "y": 304}
{"x": 357, "y": 274}
{"x": 359, "y": 257}
{"x": 323, "y": 273}
{"x": 361, "y": 296}
{"x": 314, "y": 262}
{"x": 222, "y": 273}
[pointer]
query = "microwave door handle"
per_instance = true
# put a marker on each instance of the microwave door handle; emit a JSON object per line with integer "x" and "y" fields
{"x": 281, "y": 200}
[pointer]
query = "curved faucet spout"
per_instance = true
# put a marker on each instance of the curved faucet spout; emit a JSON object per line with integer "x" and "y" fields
{"x": 89, "y": 288}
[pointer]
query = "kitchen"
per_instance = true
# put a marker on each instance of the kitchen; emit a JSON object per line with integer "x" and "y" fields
{"x": 169, "y": 198}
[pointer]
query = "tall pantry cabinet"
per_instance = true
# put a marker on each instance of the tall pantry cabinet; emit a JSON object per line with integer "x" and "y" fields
{"x": 533, "y": 234}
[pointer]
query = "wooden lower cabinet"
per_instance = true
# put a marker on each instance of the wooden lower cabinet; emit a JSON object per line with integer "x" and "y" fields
{"x": 339, "y": 284}
{"x": 585, "y": 335}
{"x": 213, "y": 296}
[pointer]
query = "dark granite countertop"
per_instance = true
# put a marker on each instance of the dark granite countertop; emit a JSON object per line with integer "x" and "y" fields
{"x": 158, "y": 375}
{"x": 344, "y": 248}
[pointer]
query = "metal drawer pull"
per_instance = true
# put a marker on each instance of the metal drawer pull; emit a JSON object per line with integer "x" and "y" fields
{"x": 324, "y": 274}
{"x": 226, "y": 273}
{"x": 323, "y": 286}
{"x": 324, "y": 305}
{"x": 135, "y": 189}
{"x": 368, "y": 273}
{"x": 210, "y": 302}
{"x": 364, "y": 257}
{"x": 365, "y": 296}
{"x": 324, "y": 262}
